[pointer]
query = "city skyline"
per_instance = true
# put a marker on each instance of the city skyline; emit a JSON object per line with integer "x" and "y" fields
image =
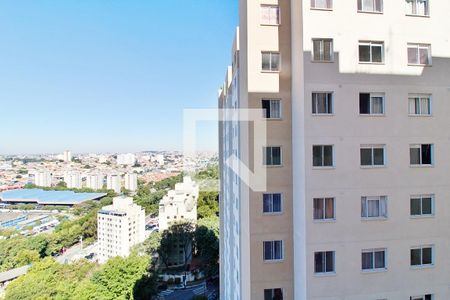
{"x": 83, "y": 76}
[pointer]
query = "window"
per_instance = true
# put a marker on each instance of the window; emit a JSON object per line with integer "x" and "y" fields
{"x": 272, "y": 108}
{"x": 421, "y": 154}
{"x": 323, "y": 209}
{"x": 420, "y": 105}
{"x": 371, "y": 104}
{"x": 422, "y": 256}
{"x": 370, "y": 6}
{"x": 419, "y": 54}
{"x": 272, "y": 203}
{"x": 372, "y": 155}
{"x": 324, "y": 262}
{"x": 374, "y": 207}
{"x": 270, "y": 61}
{"x": 322, "y": 103}
{"x": 270, "y": 15}
{"x": 323, "y": 156}
{"x": 273, "y": 294}
{"x": 422, "y": 297}
{"x": 273, "y": 250}
{"x": 417, "y": 7}
{"x": 422, "y": 205}
{"x": 371, "y": 52}
{"x": 322, "y": 4}
{"x": 373, "y": 260}
{"x": 272, "y": 156}
{"x": 322, "y": 50}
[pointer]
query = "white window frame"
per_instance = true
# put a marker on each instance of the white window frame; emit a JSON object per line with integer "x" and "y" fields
{"x": 277, "y": 17}
{"x": 271, "y": 53}
{"x": 421, "y": 164}
{"x": 272, "y": 250}
{"x": 372, "y": 147}
{"x": 374, "y": 11}
{"x": 323, "y": 218}
{"x": 420, "y": 97}
{"x": 371, "y": 96}
{"x": 416, "y": 4}
{"x": 373, "y": 269}
{"x": 422, "y": 265}
{"x": 265, "y": 156}
{"x": 271, "y": 102}
{"x": 418, "y": 47}
{"x": 323, "y": 157}
{"x": 271, "y": 198}
{"x": 325, "y": 273}
{"x": 329, "y": 5}
{"x": 322, "y": 50}
{"x": 372, "y": 44}
{"x": 421, "y": 197}
{"x": 422, "y": 297}
{"x": 365, "y": 213}
{"x": 314, "y": 103}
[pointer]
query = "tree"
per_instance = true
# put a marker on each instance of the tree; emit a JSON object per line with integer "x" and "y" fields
{"x": 179, "y": 234}
{"x": 207, "y": 244}
{"x": 61, "y": 184}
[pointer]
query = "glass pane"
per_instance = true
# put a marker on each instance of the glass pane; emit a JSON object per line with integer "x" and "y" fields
{"x": 427, "y": 206}
{"x": 321, "y": 4}
{"x": 275, "y": 62}
{"x": 414, "y": 156}
{"x": 268, "y": 156}
{"x": 423, "y": 54}
{"x": 276, "y": 202}
{"x": 266, "y": 108}
{"x": 318, "y": 209}
{"x": 378, "y": 156}
{"x": 329, "y": 208}
{"x": 363, "y": 207}
{"x": 425, "y": 106}
{"x": 416, "y": 257}
{"x": 329, "y": 261}
{"x": 265, "y": 15}
{"x": 328, "y": 156}
{"x": 364, "y": 103}
{"x": 427, "y": 258}
{"x": 366, "y": 157}
{"x": 368, "y": 5}
{"x": 412, "y": 106}
{"x": 330, "y": 103}
{"x": 377, "y": 105}
{"x": 268, "y": 294}
{"x": 367, "y": 261}
{"x": 268, "y": 250}
{"x": 426, "y": 154}
{"x": 319, "y": 264}
{"x": 267, "y": 207}
{"x": 379, "y": 260}
{"x": 378, "y": 5}
{"x": 317, "y": 156}
{"x": 327, "y": 50}
{"x": 277, "y": 294}
{"x": 275, "y": 15}
{"x": 266, "y": 61}
{"x": 373, "y": 208}
{"x": 409, "y": 6}
{"x": 415, "y": 207}
{"x": 321, "y": 99}
{"x": 278, "y": 250}
{"x": 276, "y": 156}
{"x": 316, "y": 49}
{"x": 422, "y": 7}
{"x": 413, "y": 56}
{"x": 377, "y": 54}
{"x": 364, "y": 53}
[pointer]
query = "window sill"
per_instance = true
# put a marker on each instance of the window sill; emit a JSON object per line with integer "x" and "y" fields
{"x": 374, "y": 271}
{"x": 415, "y": 217}
{"x": 373, "y": 167}
{"x": 273, "y": 119}
{"x": 372, "y": 115}
{"x": 370, "y": 12}
{"x": 319, "y": 8}
{"x": 322, "y": 221}
{"x": 272, "y": 213}
{"x": 322, "y": 115}
{"x": 322, "y": 61}
{"x": 273, "y": 166}
{"x": 368, "y": 219}
{"x": 420, "y": 65}
{"x": 371, "y": 63}
{"x": 325, "y": 274}
{"x": 274, "y": 261}
{"x": 270, "y": 25}
{"x": 420, "y": 115}
{"x": 270, "y": 72}
{"x": 419, "y": 16}
{"x": 422, "y": 267}
{"x": 421, "y": 166}
{"x": 324, "y": 168}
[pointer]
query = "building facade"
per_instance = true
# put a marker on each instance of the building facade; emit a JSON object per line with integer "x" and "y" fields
{"x": 95, "y": 181}
{"x": 114, "y": 182}
{"x": 43, "y": 178}
{"x": 355, "y": 95}
{"x": 120, "y": 226}
{"x": 130, "y": 180}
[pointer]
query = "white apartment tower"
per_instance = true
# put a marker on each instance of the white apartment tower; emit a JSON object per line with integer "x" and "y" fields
{"x": 94, "y": 181}
{"x": 120, "y": 227}
{"x": 67, "y": 156}
{"x": 356, "y": 95}
{"x": 114, "y": 182}
{"x": 73, "y": 180}
{"x": 126, "y": 159}
{"x": 179, "y": 204}
{"x": 130, "y": 181}
{"x": 43, "y": 178}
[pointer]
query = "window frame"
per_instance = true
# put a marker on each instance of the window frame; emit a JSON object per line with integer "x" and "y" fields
{"x": 412, "y": 14}
{"x": 371, "y": 44}
{"x": 324, "y": 212}
{"x": 281, "y": 204}
{"x": 314, "y": 103}
{"x": 372, "y": 147}
{"x": 374, "y": 269}
{"x": 365, "y": 214}
{"x": 271, "y": 53}
{"x": 418, "y": 47}
{"x": 421, "y": 164}
{"x": 421, "y": 197}
{"x": 314, "y": 7}
{"x": 325, "y": 272}
{"x": 422, "y": 265}
{"x": 371, "y": 96}
{"x": 271, "y": 153}
{"x": 271, "y": 6}
{"x": 271, "y": 101}
{"x": 322, "y": 50}
{"x": 420, "y": 97}
{"x": 360, "y": 3}
{"x": 323, "y": 166}
{"x": 273, "y": 292}
{"x": 273, "y": 260}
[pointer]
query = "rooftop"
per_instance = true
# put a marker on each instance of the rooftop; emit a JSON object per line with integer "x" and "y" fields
{"x": 47, "y": 197}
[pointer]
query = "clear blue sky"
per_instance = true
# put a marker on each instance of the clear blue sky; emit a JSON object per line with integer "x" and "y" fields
{"x": 109, "y": 75}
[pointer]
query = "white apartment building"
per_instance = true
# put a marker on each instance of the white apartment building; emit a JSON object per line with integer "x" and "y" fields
{"x": 67, "y": 156}
{"x": 126, "y": 159}
{"x": 130, "y": 181}
{"x": 120, "y": 227}
{"x": 73, "y": 180}
{"x": 95, "y": 181}
{"x": 179, "y": 204}
{"x": 114, "y": 182}
{"x": 356, "y": 95}
{"x": 43, "y": 178}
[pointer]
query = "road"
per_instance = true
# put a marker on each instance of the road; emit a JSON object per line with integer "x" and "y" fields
{"x": 190, "y": 292}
